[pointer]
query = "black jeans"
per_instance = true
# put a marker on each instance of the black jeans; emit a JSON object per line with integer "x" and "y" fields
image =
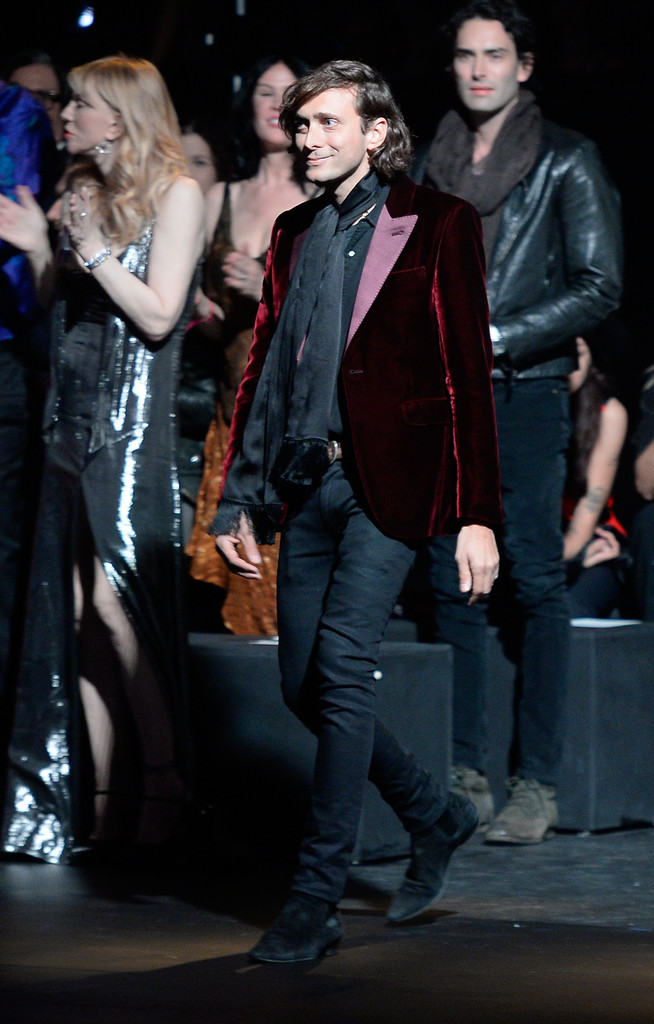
{"x": 338, "y": 580}
{"x": 598, "y": 591}
{"x": 641, "y": 538}
{"x": 21, "y": 392}
{"x": 533, "y": 429}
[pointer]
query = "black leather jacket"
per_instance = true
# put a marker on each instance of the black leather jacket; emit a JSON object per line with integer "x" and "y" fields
{"x": 556, "y": 268}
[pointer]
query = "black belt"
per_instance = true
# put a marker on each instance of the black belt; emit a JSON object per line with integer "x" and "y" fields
{"x": 334, "y": 451}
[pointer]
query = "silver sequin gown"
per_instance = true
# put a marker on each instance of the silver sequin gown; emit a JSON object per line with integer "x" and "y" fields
{"x": 111, "y": 443}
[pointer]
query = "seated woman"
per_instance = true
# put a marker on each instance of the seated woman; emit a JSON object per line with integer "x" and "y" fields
{"x": 103, "y": 630}
{"x": 595, "y": 542}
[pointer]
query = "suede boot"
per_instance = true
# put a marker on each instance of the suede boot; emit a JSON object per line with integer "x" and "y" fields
{"x": 528, "y": 816}
{"x": 473, "y": 784}
{"x": 430, "y": 857}
{"x": 306, "y": 929}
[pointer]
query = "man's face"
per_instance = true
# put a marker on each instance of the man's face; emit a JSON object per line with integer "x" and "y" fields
{"x": 334, "y": 148}
{"x": 486, "y": 68}
{"x": 41, "y": 80}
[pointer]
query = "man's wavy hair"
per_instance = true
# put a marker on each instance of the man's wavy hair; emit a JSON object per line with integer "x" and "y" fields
{"x": 372, "y": 99}
{"x": 514, "y": 20}
{"x": 148, "y": 156}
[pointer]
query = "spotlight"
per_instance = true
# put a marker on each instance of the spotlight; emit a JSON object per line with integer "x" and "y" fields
{"x": 86, "y": 18}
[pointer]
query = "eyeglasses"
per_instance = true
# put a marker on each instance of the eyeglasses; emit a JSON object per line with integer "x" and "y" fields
{"x": 46, "y": 96}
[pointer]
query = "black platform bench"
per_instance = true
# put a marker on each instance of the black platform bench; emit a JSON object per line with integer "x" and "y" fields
{"x": 254, "y": 759}
{"x": 606, "y": 778}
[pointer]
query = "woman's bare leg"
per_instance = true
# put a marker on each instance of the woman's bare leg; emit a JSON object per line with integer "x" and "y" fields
{"x": 123, "y": 701}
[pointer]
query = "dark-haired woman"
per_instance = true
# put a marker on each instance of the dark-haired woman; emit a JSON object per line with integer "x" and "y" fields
{"x": 240, "y": 216}
{"x": 594, "y": 543}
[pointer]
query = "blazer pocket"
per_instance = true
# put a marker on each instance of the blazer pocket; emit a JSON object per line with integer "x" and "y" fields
{"x": 422, "y": 412}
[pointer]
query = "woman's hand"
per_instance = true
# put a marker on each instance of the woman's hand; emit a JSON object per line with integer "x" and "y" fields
{"x": 155, "y": 305}
{"x": 243, "y": 274}
{"x": 23, "y": 223}
{"x": 204, "y": 309}
{"x": 80, "y": 220}
{"x": 207, "y": 316}
{"x": 602, "y": 548}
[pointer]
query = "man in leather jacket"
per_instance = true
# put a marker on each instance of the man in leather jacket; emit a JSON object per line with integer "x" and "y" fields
{"x": 553, "y": 243}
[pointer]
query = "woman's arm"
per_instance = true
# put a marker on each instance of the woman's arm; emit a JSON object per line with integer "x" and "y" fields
{"x": 602, "y": 467}
{"x": 213, "y": 204}
{"x": 154, "y": 306}
{"x": 208, "y": 315}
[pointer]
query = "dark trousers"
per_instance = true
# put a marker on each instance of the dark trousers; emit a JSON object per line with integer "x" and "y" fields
{"x": 20, "y": 460}
{"x": 641, "y": 537}
{"x": 598, "y": 591}
{"x": 533, "y": 430}
{"x": 338, "y": 580}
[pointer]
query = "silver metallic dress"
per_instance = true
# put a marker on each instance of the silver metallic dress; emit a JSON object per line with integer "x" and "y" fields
{"x": 111, "y": 441}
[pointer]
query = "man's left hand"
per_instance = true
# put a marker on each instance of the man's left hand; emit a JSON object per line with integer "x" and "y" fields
{"x": 478, "y": 561}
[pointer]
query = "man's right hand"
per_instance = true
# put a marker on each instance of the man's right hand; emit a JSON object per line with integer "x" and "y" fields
{"x": 228, "y": 545}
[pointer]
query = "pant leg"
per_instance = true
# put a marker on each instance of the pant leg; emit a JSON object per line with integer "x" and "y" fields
{"x": 20, "y": 449}
{"x": 596, "y": 592}
{"x": 641, "y": 537}
{"x": 464, "y": 627}
{"x": 338, "y": 581}
{"x": 533, "y": 431}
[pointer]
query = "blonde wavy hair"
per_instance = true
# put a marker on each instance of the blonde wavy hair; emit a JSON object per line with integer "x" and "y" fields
{"x": 148, "y": 156}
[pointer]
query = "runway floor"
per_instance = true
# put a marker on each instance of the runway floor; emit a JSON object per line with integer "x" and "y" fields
{"x": 551, "y": 934}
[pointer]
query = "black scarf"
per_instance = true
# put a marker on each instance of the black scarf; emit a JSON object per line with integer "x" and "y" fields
{"x": 284, "y": 445}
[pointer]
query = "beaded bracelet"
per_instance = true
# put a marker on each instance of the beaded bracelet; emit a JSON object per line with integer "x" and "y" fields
{"x": 96, "y": 260}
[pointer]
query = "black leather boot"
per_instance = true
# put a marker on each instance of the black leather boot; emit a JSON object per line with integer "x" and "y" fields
{"x": 430, "y": 856}
{"x": 306, "y": 929}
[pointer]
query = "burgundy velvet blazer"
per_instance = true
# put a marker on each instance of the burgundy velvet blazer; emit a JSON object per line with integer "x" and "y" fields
{"x": 416, "y": 369}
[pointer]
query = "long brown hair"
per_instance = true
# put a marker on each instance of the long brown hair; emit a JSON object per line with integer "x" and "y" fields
{"x": 586, "y": 409}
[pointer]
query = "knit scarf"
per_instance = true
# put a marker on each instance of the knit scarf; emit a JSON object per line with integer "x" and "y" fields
{"x": 513, "y": 155}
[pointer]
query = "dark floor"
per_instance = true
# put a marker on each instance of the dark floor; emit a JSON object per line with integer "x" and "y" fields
{"x": 561, "y": 932}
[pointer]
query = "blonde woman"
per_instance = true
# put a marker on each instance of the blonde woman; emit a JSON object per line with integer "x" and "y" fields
{"x": 103, "y": 628}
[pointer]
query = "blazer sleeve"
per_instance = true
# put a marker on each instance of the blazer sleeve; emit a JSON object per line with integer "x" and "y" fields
{"x": 461, "y": 307}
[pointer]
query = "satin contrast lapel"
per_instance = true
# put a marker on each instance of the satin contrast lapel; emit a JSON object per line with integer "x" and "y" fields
{"x": 389, "y": 238}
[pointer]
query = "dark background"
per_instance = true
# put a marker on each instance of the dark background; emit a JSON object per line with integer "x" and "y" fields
{"x": 592, "y": 62}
